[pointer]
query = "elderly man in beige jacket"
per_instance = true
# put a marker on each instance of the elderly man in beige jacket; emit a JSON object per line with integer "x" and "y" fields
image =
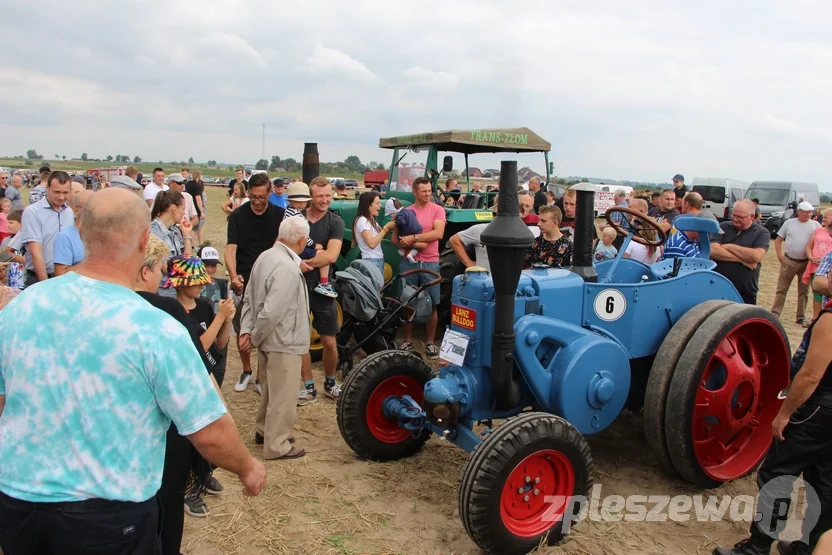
{"x": 275, "y": 320}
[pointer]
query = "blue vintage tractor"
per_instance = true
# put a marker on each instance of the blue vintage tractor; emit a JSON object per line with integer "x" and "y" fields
{"x": 557, "y": 355}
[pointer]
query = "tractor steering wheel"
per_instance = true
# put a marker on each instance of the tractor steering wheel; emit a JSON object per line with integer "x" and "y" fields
{"x": 641, "y": 223}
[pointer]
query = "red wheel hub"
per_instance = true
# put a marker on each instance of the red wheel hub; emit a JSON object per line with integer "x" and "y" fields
{"x": 736, "y": 400}
{"x": 536, "y": 493}
{"x": 383, "y": 428}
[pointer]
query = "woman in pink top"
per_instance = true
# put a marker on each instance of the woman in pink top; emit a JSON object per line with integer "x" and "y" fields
{"x": 819, "y": 244}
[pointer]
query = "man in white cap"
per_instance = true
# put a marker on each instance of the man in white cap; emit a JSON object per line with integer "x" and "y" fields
{"x": 796, "y": 233}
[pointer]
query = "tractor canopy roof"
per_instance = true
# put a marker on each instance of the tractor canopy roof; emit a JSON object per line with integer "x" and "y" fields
{"x": 471, "y": 141}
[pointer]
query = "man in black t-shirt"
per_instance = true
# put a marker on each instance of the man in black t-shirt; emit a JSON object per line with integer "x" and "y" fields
{"x": 196, "y": 189}
{"x": 667, "y": 212}
{"x": 325, "y": 229}
{"x": 252, "y": 229}
{"x": 238, "y": 176}
{"x": 569, "y": 205}
{"x": 740, "y": 249}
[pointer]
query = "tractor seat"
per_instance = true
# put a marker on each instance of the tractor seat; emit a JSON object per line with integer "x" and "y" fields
{"x": 664, "y": 269}
{"x": 473, "y": 201}
{"x": 696, "y": 223}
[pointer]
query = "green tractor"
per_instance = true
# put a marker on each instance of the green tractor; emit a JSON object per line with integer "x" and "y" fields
{"x": 475, "y": 210}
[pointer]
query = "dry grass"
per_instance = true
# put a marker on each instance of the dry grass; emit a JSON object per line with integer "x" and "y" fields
{"x": 330, "y": 502}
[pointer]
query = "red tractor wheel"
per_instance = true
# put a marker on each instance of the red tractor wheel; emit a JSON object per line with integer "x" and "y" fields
{"x": 724, "y": 395}
{"x": 361, "y": 419}
{"x": 517, "y": 486}
{"x": 664, "y": 364}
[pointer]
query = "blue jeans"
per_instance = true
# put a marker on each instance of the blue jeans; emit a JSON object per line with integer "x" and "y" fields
{"x": 378, "y": 262}
{"x": 417, "y": 280}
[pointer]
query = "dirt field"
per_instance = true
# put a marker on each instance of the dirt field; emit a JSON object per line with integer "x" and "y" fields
{"x": 330, "y": 502}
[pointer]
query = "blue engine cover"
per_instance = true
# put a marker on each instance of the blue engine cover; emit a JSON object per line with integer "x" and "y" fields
{"x": 574, "y": 373}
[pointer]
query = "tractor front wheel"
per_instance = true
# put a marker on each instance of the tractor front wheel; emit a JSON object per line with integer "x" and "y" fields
{"x": 361, "y": 419}
{"x": 723, "y": 395}
{"x": 526, "y": 480}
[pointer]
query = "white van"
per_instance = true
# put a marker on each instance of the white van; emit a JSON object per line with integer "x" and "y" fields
{"x": 778, "y": 200}
{"x": 719, "y": 194}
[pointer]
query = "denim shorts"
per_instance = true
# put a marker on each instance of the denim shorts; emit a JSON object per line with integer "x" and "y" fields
{"x": 421, "y": 279}
{"x": 378, "y": 262}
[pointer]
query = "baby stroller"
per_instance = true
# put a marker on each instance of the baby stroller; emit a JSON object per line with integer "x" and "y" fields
{"x": 372, "y": 318}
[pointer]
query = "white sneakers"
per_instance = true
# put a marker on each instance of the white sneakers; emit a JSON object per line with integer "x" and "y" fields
{"x": 242, "y": 383}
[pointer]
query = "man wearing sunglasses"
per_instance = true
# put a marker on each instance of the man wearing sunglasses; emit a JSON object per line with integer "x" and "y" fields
{"x": 739, "y": 250}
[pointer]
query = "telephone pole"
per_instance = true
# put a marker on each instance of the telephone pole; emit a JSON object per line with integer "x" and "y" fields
{"x": 263, "y": 156}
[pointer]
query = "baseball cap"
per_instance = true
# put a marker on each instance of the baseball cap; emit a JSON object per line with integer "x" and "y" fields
{"x": 279, "y": 182}
{"x": 124, "y": 182}
{"x": 209, "y": 255}
{"x": 805, "y": 206}
{"x": 678, "y": 177}
{"x": 177, "y": 177}
{"x": 78, "y": 178}
{"x": 298, "y": 191}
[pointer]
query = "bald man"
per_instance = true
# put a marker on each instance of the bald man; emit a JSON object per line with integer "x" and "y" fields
{"x": 68, "y": 249}
{"x": 739, "y": 250}
{"x": 12, "y": 192}
{"x": 692, "y": 205}
{"x": 129, "y": 371}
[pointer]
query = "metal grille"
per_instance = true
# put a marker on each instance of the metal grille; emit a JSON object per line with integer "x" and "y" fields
{"x": 532, "y": 306}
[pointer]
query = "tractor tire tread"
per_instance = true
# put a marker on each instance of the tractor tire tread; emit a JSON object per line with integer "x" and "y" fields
{"x": 486, "y": 468}
{"x": 661, "y": 373}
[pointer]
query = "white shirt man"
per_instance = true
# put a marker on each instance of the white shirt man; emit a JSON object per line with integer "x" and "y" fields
{"x": 155, "y": 187}
{"x": 796, "y": 232}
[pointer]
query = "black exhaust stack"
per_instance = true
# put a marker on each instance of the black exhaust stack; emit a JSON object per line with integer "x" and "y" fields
{"x": 584, "y": 234}
{"x": 311, "y": 162}
{"x": 507, "y": 239}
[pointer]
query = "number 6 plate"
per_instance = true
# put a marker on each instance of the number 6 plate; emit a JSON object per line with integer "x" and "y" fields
{"x": 454, "y": 347}
{"x": 610, "y": 305}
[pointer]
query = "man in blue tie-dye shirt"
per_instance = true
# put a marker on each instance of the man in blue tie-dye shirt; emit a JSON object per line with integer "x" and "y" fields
{"x": 91, "y": 376}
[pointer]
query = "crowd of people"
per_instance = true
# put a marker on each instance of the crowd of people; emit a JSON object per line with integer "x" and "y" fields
{"x": 123, "y": 471}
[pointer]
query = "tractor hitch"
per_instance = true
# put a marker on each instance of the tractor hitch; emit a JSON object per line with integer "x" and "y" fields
{"x": 407, "y": 411}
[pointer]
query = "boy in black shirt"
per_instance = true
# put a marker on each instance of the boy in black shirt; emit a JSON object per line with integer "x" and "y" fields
{"x": 188, "y": 276}
{"x": 216, "y": 292}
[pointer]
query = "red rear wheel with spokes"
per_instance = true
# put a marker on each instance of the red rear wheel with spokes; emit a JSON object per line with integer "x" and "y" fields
{"x": 723, "y": 395}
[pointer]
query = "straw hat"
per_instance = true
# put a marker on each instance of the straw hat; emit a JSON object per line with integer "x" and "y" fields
{"x": 298, "y": 191}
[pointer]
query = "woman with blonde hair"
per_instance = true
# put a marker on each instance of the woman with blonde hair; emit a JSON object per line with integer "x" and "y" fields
{"x": 184, "y": 468}
{"x": 238, "y": 198}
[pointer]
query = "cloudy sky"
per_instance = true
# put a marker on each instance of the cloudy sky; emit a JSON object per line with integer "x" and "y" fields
{"x": 635, "y": 90}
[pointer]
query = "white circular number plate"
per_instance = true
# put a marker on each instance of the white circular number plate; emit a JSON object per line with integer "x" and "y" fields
{"x": 610, "y": 305}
